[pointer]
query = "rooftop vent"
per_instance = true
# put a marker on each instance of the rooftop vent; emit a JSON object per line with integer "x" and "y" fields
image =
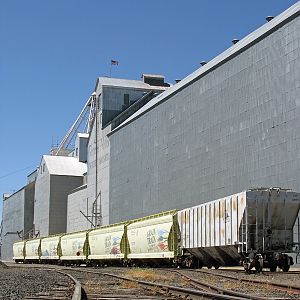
{"x": 6, "y": 196}
{"x": 154, "y": 80}
{"x": 269, "y": 18}
{"x": 177, "y": 80}
{"x": 203, "y": 62}
{"x": 234, "y": 41}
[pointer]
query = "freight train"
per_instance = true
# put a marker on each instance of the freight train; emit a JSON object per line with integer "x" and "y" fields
{"x": 254, "y": 228}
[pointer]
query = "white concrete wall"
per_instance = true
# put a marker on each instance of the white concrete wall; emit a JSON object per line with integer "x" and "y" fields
{"x": 51, "y": 195}
{"x": 296, "y": 232}
{"x": 60, "y": 187}
{"x": 13, "y": 221}
{"x": 111, "y": 102}
{"x": 78, "y": 201}
{"x": 41, "y": 201}
{"x": 232, "y": 128}
{"x": 102, "y": 170}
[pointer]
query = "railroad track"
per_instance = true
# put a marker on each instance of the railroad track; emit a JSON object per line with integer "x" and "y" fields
{"x": 200, "y": 289}
{"x": 160, "y": 291}
{"x": 291, "y": 291}
{"x": 103, "y": 285}
{"x": 98, "y": 284}
{"x": 265, "y": 271}
{"x": 251, "y": 280}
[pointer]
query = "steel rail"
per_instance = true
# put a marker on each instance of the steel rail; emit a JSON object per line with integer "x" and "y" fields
{"x": 221, "y": 290}
{"x": 279, "y": 286}
{"x": 293, "y": 272}
{"x": 77, "y": 289}
{"x": 170, "y": 287}
{"x": 264, "y": 271}
{"x": 177, "y": 289}
{"x": 287, "y": 287}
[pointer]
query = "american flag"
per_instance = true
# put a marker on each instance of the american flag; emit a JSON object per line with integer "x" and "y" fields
{"x": 114, "y": 62}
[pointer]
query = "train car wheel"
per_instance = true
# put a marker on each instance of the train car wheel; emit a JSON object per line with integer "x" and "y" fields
{"x": 273, "y": 268}
{"x": 286, "y": 268}
{"x": 258, "y": 269}
{"x": 189, "y": 262}
{"x": 284, "y": 262}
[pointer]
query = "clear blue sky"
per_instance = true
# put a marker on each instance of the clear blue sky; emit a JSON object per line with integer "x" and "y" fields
{"x": 52, "y": 51}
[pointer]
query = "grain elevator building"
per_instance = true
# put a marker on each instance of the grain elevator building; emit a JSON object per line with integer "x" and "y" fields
{"x": 231, "y": 125}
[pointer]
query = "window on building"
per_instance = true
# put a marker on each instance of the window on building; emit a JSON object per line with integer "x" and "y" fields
{"x": 126, "y": 99}
{"x": 43, "y": 167}
{"x": 76, "y": 152}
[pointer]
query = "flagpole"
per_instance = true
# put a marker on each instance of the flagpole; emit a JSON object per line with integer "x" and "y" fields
{"x": 112, "y": 62}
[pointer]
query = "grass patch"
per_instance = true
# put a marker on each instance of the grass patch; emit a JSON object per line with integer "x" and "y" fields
{"x": 149, "y": 275}
{"x": 129, "y": 285}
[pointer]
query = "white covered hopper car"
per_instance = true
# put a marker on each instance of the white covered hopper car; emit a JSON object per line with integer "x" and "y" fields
{"x": 254, "y": 227}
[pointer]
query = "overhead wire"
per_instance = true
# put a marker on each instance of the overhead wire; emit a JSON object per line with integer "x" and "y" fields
{"x": 16, "y": 171}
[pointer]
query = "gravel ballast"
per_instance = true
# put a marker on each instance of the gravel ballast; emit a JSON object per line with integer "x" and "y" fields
{"x": 17, "y": 283}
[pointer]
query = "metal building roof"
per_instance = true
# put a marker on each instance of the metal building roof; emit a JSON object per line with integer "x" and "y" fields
{"x": 228, "y": 54}
{"x": 64, "y": 165}
{"x": 127, "y": 83}
{"x": 153, "y": 76}
{"x": 83, "y": 135}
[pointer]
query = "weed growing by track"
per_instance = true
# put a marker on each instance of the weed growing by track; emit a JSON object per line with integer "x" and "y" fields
{"x": 155, "y": 276}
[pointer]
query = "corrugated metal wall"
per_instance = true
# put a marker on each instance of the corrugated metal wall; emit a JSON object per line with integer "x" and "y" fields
{"x": 235, "y": 128}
